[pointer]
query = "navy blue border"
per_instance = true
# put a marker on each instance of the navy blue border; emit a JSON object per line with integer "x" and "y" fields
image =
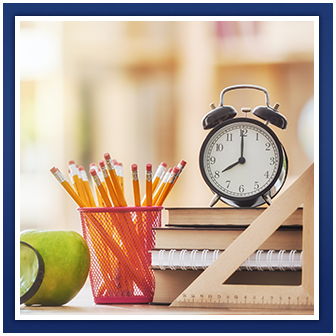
{"x": 325, "y": 13}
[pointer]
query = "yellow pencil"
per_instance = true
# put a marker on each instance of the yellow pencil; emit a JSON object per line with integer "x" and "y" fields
{"x": 66, "y": 185}
{"x": 99, "y": 198}
{"x": 181, "y": 165}
{"x": 169, "y": 185}
{"x": 114, "y": 178}
{"x": 161, "y": 186}
{"x": 88, "y": 191}
{"x": 149, "y": 177}
{"x": 108, "y": 182}
{"x": 100, "y": 187}
{"x": 157, "y": 178}
{"x": 135, "y": 182}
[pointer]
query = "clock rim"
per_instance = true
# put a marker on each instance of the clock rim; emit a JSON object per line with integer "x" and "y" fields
{"x": 243, "y": 200}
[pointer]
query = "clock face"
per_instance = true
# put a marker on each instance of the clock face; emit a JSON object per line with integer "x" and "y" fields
{"x": 241, "y": 159}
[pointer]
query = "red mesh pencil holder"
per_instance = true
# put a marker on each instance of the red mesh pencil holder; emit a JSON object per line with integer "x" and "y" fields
{"x": 120, "y": 240}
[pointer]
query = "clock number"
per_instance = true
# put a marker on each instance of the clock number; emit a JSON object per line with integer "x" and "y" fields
{"x": 256, "y": 185}
{"x": 241, "y": 188}
{"x": 217, "y": 174}
{"x": 272, "y": 159}
{"x": 219, "y": 147}
{"x": 257, "y": 136}
{"x": 212, "y": 160}
{"x": 229, "y": 137}
{"x": 266, "y": 174}
{"x": 243, "y": 132}
{"x": 228, "y": 182}
{"x": 268, "y": 146}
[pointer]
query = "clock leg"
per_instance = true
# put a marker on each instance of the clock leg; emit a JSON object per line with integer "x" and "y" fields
{"x": 214, "y": 200}
{"x": 267, "y": 198}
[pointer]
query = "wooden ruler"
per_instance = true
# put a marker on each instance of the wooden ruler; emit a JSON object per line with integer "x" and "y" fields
{"x": 209, "y": 290}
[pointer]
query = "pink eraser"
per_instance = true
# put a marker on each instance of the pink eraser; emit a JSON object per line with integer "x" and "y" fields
{"x": 176, "y": 170}
{"x": 120, "y": 164}
{"x": 93, "y": 165}
{"x": 81, "y": 168}
{"x": 148, "y": 167}
{"x": 93, "y": 172}
{"x": 183, "y": 163}
{"x": 71, "y": 162}
{"x": 101, "y": 163}
{"x": 134, "y": 167}
{"x": 115, "y": 162}
{"x": 170, "y": 170}
{"x": 164, "y": 164}
{"x": 53, "y": 170}
{"x": 107, "y": 156}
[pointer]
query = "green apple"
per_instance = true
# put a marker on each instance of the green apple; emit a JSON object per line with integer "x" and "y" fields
{"x": 67, "y": 261}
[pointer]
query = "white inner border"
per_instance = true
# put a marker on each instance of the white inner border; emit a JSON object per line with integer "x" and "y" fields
{"x": 314, "y": 19}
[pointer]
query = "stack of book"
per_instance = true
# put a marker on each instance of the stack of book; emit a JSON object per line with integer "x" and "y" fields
{"x": 195, "y": 237}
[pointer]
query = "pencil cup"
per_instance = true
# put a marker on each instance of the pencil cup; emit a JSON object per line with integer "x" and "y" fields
{"x": 120, "y": 240}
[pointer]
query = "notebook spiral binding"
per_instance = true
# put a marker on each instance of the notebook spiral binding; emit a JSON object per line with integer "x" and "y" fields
{"x": 270, "y": 260}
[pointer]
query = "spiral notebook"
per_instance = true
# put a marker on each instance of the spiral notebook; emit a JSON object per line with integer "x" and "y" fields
{"x": 261, "y": 260}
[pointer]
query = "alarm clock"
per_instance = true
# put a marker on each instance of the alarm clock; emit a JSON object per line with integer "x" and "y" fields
{"x": 241, "y": 159}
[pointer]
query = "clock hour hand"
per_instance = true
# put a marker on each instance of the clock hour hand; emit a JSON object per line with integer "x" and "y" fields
{"x": 231, "y": 166}
{"x": 240, "y": 160}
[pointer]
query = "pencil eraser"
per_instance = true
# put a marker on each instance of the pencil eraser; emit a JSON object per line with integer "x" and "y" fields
{"x": 71, "y": 162}
{"x": 93, "y": 165}
{"x": 134, "y": 167}
{"x": 101, "y": 163}
{"x": 170, "y": 170}
{"x": 53, "y": 170}
{"x": 176, "y": 170}
{"x": 183, "y": 163}
{"x": 164, "y": 164}
{"x": 120, "y": 164}
{"x": 81, "y": 168}
{"x": 107, "y": 156}
{"x": 115, "y": 162}
{"x": 93, "y": 172}
{"x": 148, "y": 167}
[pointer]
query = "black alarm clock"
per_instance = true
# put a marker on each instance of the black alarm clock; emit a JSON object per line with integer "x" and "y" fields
{"x": 241, "y": 159}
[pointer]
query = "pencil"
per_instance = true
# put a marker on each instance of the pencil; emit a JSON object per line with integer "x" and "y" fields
{"x": 88, "y": 191}
{"x": 108, "y": 182}
{"x": 161, "y": 186}
{"x": 158, "y": 175}
{"x": 114, "y": 178}
{"x": 149, "y": 176}
{"x": 169, "y": 185}
{"x": 135, "y": 182}
{"x": 66, "y": 185}
{"x": 99, "y": 198}
{"x": 100, "y": 187}
{"x": 82, "y": 187}
{"x": 181, "y": 165}
{"x": 74, "y": 173}
{"x": 121, "y": 176}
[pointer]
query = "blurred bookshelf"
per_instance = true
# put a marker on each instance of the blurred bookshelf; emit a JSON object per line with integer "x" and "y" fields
{"x": 139, "y": 90}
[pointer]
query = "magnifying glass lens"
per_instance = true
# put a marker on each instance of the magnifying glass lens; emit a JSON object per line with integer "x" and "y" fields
{"x": 31, "y": 271}
{"x": 29, "y": 267}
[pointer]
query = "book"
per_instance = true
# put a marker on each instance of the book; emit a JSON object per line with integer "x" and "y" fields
{"x": 194, "y": 259}
{"x": 193, "y": 216}
{"x": 219, "y": 238}
{"x": 170, "y": 284}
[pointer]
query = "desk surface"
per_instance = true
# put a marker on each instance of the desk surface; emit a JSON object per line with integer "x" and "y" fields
{"x": 83, "y": 304}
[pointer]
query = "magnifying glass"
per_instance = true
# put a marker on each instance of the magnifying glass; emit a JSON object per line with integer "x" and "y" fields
{"x": 31, "y": 271}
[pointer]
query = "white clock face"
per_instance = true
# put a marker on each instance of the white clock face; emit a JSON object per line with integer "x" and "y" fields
{"x": 241, "y": 159}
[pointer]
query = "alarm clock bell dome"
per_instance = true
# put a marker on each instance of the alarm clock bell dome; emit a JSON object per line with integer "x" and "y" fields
{"x": 218, "y": 115}
{"x": 271, "y": 115}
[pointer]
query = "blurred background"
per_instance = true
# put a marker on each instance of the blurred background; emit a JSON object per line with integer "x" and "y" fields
{"x": 139, "y": 91}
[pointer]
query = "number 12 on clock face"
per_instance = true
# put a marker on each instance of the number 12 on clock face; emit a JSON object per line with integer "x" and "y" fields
{"x": 242, "y": 160}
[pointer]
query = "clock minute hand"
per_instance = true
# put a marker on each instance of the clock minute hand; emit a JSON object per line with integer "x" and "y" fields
{"x": 242, "y": 144}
